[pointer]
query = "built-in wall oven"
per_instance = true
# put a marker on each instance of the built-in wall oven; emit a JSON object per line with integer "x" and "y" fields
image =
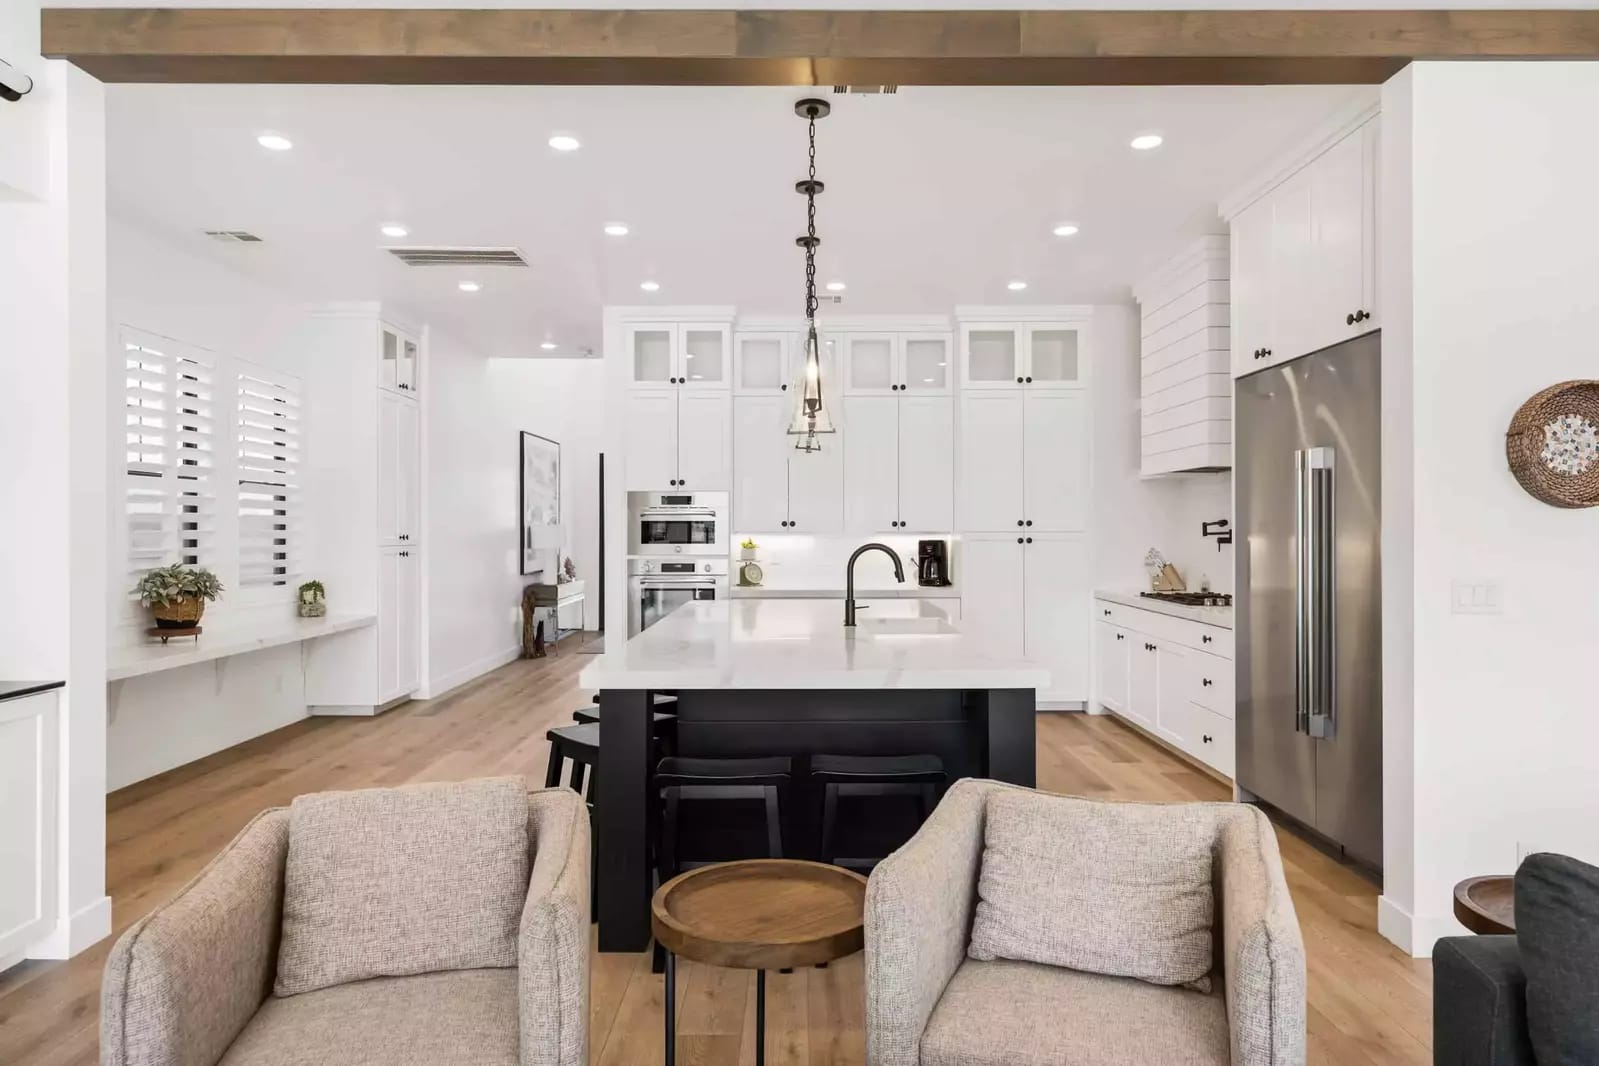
{"x": 657, "y": 587}
{"x": 678, "y": 523}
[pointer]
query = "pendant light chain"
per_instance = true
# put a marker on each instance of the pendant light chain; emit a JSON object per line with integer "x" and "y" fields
{"x": 810, "y": 232}
{"x": 811, "y": 419}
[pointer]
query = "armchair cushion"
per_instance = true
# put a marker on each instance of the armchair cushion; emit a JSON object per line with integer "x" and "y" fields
{"x": 1121, "y": 889}
{"x": 392, "y": 882}
{"x": 457, "y": 1018}
{"x": 1557, "y": 928}
{"x": 1024, "y": 1014}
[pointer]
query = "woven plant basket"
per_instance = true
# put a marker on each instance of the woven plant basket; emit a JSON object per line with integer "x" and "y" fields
{"x": 1548, "y": 445}
{"x": 180, "y": 615}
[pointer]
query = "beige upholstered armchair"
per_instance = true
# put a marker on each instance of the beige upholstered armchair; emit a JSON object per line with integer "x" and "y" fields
{"x": 440, "y": 924}
{"x": 951, "y": 976}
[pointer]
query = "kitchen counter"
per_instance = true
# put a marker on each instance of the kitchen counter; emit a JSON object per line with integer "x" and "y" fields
{"x": 14, "y": 690}
{"x": 802, "y": 644}
{"x": 799, "y": 589}
{"x": 1211, "y": 616}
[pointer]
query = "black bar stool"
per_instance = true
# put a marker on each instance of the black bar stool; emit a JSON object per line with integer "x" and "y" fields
{"x": 579, "y": 745}
{"x": 849, "y": 776}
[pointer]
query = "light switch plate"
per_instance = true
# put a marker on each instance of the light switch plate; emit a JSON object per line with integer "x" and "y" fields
{"x": 1476, "y": 597}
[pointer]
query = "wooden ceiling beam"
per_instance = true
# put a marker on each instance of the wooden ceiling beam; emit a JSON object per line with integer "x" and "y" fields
{"x": 794, "y": 47}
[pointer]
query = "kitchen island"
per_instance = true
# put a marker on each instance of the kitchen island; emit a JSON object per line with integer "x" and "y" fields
{"x": 785, "y": 677}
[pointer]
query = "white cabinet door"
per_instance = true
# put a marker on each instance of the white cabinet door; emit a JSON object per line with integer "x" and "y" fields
{"x": 389, "y": 608}
{"x": 1294, "y": 277}
{"x": 651, "y": 460}
{"x": 408, "y": 629}
{"x": 30, "y": 742}
{"x": 1370, "y": 264}
{"x": 1341, "y": 195}
{"x": 704, "y": 441}
{"x": 871, "y": 364}
{"x": 925, "y": 364}
{"x": 1251, "y": 286}
{"x": 1172, "y": 720}
{"x": 388, "y": 358}
{"x": 816, "y": 485}
{"x": 991, "y": 574}
{"x": 1058, "y": 590}
{"x": 761, "y": 363}
{"x": 926, "y": 463}
{"x": 871, "y": 463}
{"x": 991, "y": 356}
{"x": 1055, "y": 467}
{"x": 1111, "y": 657}
{"x": 407, "y": 461}
{"x": 705, "y": 357}
{"x": 1055, "y": 356}
{"x": 760, "y": 463}
{"x": 389, "y": 472}
{"x": 652, "y": 359}
{"x": 1143, "y": 680}
{"x": 407, "y": 371}
{"x": 991, "y": 448}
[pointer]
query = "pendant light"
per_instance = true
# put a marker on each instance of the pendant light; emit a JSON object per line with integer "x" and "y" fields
{"x": 811, "y": 419}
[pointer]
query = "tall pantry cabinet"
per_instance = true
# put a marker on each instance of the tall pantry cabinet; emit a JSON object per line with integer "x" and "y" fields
{"x": 365, "y": 402}
{"x": 1023, "y": 489}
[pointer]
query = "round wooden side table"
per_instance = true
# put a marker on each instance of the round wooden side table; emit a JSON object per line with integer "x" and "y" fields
{"x": 1487, "y": 905}
{"x": 760, "y": 914}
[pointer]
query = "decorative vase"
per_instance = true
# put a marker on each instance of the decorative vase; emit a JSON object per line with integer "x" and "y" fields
{"x": 313, "y": 608}
{"x": 746, "y": 554}
{"x": 179, "y": 614}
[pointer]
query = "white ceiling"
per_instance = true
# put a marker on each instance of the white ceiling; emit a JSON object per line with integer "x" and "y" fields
{"x": 934, "y": 196}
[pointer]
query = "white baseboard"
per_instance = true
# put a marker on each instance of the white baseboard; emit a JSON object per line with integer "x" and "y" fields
{"x": 1414, "y": 934}
{"x": 76, "y": 932}
{"x": 437, "y": 687}
{"x": 344, "y": 710}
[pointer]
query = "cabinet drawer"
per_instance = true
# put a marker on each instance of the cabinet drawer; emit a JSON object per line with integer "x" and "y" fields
{"x": 1211, "y": 739}
{"x": 1213, "y": 640}
{"x": 1117, "y": 615}
{"x": 1211, "y": 683}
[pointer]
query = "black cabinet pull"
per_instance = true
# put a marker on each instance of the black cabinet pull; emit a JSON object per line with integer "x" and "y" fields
{"x": 1018, "y": 540}
{"x": 1119, "y": 636}
{"x": 1029, "y": 540}
{"x": 1204, "y": 638}
{"x": 1106, "y": 613}
{"x": 1206, "y": 682}
{"x": 1020, "y": 522}
{"x": 1029, "y": 521}
{"x": 1349, "y": 320}
{"x": 1029, "y": 381}
{"x": 1205, "y": 737}
{"x": 1018, "y": 381}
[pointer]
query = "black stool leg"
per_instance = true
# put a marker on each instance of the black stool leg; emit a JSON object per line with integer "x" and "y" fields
{"x": 774, "y": 823}
{"x": 829, "y": 820}
{"x": 578, "y": 770}
{"x": 671, "y": 1009}
{"x": 552, "y": 773}
{"x": 760, "y": 1018}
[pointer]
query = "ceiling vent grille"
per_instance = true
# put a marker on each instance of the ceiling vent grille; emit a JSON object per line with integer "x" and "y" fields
{"x": 232, "y": 236}
{"x": 865, "y": 90}
{"x": 422, "y": 257}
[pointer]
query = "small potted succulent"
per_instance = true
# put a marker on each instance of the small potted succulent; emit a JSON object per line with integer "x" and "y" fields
{"x": 177, "y": 594}
{"x": 313, "y": 602}
{"x": 746, "y": 550}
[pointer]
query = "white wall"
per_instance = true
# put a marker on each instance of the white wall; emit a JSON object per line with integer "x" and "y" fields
{"x": 477, "y": 407}
{"x": 1503, "y": 233}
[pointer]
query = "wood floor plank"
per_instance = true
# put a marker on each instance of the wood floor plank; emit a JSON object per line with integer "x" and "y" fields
{"x": 1369, "y": 1004}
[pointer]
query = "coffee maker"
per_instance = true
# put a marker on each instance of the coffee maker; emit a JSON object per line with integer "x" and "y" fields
{"x": 932, "y": 562}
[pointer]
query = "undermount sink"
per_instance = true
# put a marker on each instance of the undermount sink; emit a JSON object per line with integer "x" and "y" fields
{"x": 906, "y": 627}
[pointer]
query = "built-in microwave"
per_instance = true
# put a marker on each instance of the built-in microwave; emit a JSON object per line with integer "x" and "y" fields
{"x": 678, "y": 523}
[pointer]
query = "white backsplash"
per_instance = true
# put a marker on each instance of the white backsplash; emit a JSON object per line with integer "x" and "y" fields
{"x": 798, "y": 560}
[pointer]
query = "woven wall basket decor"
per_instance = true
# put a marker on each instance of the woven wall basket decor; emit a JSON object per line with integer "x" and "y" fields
{"x": 1553, "y": 444}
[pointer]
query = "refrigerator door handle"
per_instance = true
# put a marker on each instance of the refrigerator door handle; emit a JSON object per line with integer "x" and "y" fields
{"x": 1303, "y": 667}
{"x": 1321, "y": 624}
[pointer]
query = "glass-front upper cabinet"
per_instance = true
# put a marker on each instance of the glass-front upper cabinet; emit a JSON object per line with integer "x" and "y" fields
{"x": 871, "y": 364}
{"x": 652, "y": 354}
{"x": 924, "y": 359}
{"x": 389, "y": 364}
{"x": 761, "y": 363}
{"x": 706, "y": 357}
{"x": 1054, "y": 356}
{"x": 669, "y": 355}
{"x": 1005, "y": 355}
{"x": 991, "y": 357}
{"x": 407, "y": 369}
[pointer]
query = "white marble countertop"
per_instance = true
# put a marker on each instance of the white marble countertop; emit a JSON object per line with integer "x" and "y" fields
{"x": 140, "y": 659}
{"x": 1211, "y": 616}
{"x": 802, "y": 644}
{"x": 801, "y": 589}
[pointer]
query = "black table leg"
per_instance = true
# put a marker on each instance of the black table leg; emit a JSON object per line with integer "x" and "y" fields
{"x": 1012, "y": 736}
{"x": 671, "y": 1008}
{"x": 622, "y": 837}
{"x": 760, "y": 1018}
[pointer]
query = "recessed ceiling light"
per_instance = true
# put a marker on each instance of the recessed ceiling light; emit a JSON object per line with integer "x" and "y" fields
{"x": 650, "y": 286}
{"x": 469, "y": 286}
{"x": 1016, "y": 286}
{"x": 1145, "y": 141}
{"x": 394, "y": 229}
{"x": 836, "y": 286}
{"x": 1065, "y": 229}
{"x": 275, "y": 141}
{"x": 563, "y": 142}
{"x": 548, "y": 346}
{"x": 616, "y": 229}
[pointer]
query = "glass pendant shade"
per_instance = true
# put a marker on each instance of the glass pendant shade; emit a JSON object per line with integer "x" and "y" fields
{"x": 811, "y": 419}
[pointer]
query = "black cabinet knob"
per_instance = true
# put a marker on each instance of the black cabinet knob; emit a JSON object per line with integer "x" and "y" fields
{"x": 1020, "y": 522}
{"x": 1029, "y": 381}
{"x": 1266, "y": 352}
{"x": 1349, "y": 320}
{"x": 1205, "y": 737}
{"x": 1029, "y": 540}
{"x": 1206, "y": 682}
{"x": 1029, "y": 521}
{"x": 783, "y": 387}
{"x": 1018, "y": 381}
{"x": 1105, "y": 613}
{"x": 1018, "y": 540}
{"x": 1204, "y": 639}
{"x": 1118, "y": 636}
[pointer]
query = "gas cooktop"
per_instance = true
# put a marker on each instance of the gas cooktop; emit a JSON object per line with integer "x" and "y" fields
{"x": 1192, "y": 599}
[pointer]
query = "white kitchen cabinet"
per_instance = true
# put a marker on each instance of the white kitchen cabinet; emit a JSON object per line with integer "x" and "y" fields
{"x": 1055, "y": 612}
{"x": 652, "y": 356}
{"x": 707, "y": 356}
{"x": 1305, "y": 257}
{"x": 762, "y": 363}
{"x": 990, "y": 569}
{"x": 389, "y": 462}
{"x": 991, "y": 356}
{"x": 1024, "y": 460}
{"x": 899, "y": 463}
{"x": 992, "y": 446}
{"x": 407, "y": 473}
{"x": 679, "y": 439}
{"x": 925, "y": 365}
{"x": 1112, "y": 655}
{"x": 666, "y": 355}
{"x": 398, "y": 625}
{"x": 882, "y": 364}
{"x": 926, "y": 464}
{"x": 871, "y": 462}
{"x": 1185, "y": 362}
{"x": 816, "y": 486}
{"x": 399, "y": 358}
{"x": 651, "y": 462}
{"x": 1143, "y": 680}
{"x": 30, "y": 746}
{"x": 776, "y": 487}
{"x": 1040, "y": 354}
{"x": 1171, "y": 703}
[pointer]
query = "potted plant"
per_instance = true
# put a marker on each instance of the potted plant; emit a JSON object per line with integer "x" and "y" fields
{"x": 746, "y": 550}
{"x": 177, "y": 594}
{"x": 313, "y": 601}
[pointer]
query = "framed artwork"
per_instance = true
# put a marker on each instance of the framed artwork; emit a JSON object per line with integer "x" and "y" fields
{"x": 540, "y": 503}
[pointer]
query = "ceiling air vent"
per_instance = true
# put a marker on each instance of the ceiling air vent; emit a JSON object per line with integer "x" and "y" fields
{"x": 425, "y": 257}
{"x": 865, "y": 90}
{"x": 232, "y": 236}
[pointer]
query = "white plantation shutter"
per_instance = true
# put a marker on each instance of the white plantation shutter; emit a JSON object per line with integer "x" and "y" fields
{"x": 270, "y": 438}
{"x": 170, "y": 421}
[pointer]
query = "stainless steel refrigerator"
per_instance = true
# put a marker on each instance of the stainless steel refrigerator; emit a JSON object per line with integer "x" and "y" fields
{"x": 1309, "y": 659}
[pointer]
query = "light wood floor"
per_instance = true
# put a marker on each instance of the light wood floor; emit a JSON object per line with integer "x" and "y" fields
{"x": 1369, "y": 1003}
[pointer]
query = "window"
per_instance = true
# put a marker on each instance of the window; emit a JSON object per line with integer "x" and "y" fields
{"x": 170, "y": 429}
{"x": 269, "y": 440}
